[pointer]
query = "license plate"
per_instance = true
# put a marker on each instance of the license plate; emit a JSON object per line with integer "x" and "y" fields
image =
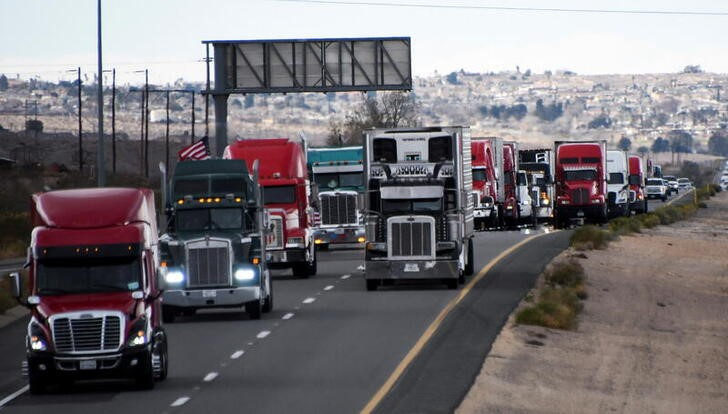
{"x": 87, "y": 364}
{"x": 411, "y": 267}
{"x": 209, "y": 293}
{"x": 580, "y": 214}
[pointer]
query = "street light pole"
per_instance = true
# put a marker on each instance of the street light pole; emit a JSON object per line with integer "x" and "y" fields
{"x": 80, "y": 124}
{"x": 100, "y": 162}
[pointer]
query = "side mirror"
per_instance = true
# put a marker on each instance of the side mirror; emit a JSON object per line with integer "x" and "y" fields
{"x": 634, "y": 179}
{"x": 521, "y": 179}
{"x": 16, "y": 282}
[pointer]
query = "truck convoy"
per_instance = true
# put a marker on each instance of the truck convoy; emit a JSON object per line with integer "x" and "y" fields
{"x": 637, "y": 176}
{"x": 213, "y": 253}
{"x": 617, "y": 185}
{"x": 95, "y": 299}
{"x": 286, "y": 196}
{"x": 488, "y": 191}
{"x": 581, "y": 181}
{"x": 419, "y": 211}
{"x": 338, "y": 174}
{"x": 538, "y": 163}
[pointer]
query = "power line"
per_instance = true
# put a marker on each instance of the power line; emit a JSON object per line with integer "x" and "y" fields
{"x": 512, "y": 9}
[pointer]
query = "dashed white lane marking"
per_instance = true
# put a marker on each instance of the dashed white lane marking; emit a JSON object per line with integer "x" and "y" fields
{"x": 526, "y": 231}
{"x": 360, "y": 267}
{"x": 262, "y": 334}
{"x": 287, "y": 316}
{"x": 237, "y": 354}
{"x": 329, "y": 287}
{"x": 345, "y": 276}
{"x": 13, "y": 396}
{"x": 180, "y": 401}
{"x": 309, "y": 300}
{"x": 209, "y": 377}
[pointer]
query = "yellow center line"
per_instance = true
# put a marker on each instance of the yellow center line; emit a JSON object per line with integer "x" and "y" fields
{"x": 430, "y": 331}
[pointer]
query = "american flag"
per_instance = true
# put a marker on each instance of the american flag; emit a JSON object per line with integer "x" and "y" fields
{"x": 200, "y": 150}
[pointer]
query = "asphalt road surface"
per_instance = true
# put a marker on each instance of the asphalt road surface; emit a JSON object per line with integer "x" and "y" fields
{"x": 678, "y": 198}
{"x": 327, "y": 347}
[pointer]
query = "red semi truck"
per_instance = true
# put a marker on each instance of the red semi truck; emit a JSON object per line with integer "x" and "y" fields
{"x": 487, "y": 182}
{"x": 581, "y": 181}
{"x": 637, "y": 196}
{"x": 94, "y": 294}
{"x": 286, "y": 196}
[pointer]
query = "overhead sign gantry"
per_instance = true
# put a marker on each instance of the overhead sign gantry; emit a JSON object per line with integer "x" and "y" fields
{"x": 305, "y": 65}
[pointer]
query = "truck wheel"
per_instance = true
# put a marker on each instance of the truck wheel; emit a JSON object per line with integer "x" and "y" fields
{"x": 254, "y": 309}
{"x": 470, "y": 266}
{"x": 645, "y": 207}
{"x": 312, "y": 268}
{"x": 37, "y": 384}
{"x": 145, "y": 377}
{"x": 663, "y": 198}
{"x": 323, "y": 246}
{"x": 372, "y": 284}
{"x": 168, "y": 314}
{"x": 160, "y": 361}
{"x": 268, "y": 303}
{"x": 450, "y": 283}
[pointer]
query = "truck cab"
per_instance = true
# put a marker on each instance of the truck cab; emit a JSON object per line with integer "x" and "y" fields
{"x": 617, "y": 185}
{"x": 486, "y": 182}
{"x": 419, "y": 217}
{"x": 581, "y": 183}
{"x": 212, "y": 255}
{"x": 539, "y": 166}
{"x": 338, "y": 176}
{"x": 517, "y": 204}
{"x": 637, "y": 196}
{"x": 95, "y": 299}
{"x": 286, "y": 193}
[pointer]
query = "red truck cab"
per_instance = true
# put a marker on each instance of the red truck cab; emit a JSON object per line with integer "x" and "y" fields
{"x": 510, "y": 205}
{"x": 94, "y": 295}
{"x": 637, "y": 196}
{"x": 286, "y": 195}
{"x": 581, "y": 187}
{"x": 485, "y": 184}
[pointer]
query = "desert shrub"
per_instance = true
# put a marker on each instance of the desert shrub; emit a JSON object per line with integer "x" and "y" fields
{"x": 625, "y": 225}
{"x": 648, "y": 220}
{"x": 15, "y": 234}
{"x": 556, "y": 308}
{"x": 590, "y": 237}
{"x": 566, "y": 274}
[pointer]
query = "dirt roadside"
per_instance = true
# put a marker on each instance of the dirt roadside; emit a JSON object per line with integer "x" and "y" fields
{"x": 651, "y": 339}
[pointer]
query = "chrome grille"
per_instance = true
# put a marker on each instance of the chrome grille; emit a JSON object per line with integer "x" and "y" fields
{"x": 208, "y": 264}
{"x": 580, "y": 196}
{"x": 411, "y": 237}
{"x": 338, "y": 209}
{"x": 87, "y": 332}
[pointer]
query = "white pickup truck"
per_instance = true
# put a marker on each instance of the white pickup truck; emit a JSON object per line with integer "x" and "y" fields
{"x": 656, "y": 188}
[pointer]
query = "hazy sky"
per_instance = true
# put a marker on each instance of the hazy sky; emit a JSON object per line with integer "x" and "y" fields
{"x": 48, "y": 37}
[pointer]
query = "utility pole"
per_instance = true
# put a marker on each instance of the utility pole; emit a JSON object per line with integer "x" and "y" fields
{"x": 113, "y": 120}
{"x": 207, "y": 91}
{"x": 80, "y": 124}
{"x": 193, "y": 117}
{"x": 146, "y": 124}
{"x": 100, "y": 161}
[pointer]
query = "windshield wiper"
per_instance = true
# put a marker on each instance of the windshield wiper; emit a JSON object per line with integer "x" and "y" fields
{"x": 110, "y": 287}
{"x": 51, "y": 291}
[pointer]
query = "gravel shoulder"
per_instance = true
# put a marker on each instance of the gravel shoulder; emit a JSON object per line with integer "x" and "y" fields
{"x": 652, "y": 337}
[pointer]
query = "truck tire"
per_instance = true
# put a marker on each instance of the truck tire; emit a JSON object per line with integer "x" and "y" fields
{"x": 268, "y": 303}
{"x": 372, "y": 284}
{"x": 469, "y": 266}
{"x": 254, "y": 309}
{"x": 160, "y": 360}
{"x": 145, "y": 377}
{"x": 664, "y": 198}
{"x": 168, "y": 314}
{"x": 645, "y": 207}
{"x": 312, "y": 267}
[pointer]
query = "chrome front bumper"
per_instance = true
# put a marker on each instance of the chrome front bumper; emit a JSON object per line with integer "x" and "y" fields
{"x": 202, "y": 298}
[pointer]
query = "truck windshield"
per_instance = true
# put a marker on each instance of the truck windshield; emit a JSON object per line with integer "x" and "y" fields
{"x": 424, "y": 205}
{"x": 74, "y": 276}
{"x": 210, "y": 219}
{"x": 337, "y": 180}
{"x": 285, "y": 194}
{"x": 479, "y": 175}
{"x": 654, "y": 182}
{"x": 580, "y": 175}
{"x": 615, "y": 178}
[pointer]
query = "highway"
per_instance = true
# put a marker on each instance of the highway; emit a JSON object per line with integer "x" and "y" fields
{"x": 329, "y": 346}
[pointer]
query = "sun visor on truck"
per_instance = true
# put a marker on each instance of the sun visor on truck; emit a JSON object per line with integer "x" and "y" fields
{"x": 401, "y": 192}
{"x": 88, "y": 251}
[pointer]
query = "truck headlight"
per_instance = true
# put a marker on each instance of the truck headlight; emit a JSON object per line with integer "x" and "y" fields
{"x": 596, "y": 201}
{"x": 37, "y": 340}
{"x": 138, "y": 334}
{"x": 244, "y": 274}
{"x": 545, "y": 201}
{"x": 174, "y": 277}
{"x": 564, "y": 202}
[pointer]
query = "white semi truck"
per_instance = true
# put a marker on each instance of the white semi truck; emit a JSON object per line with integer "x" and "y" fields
{"x": 617, "y": 184}
{"x": 418, "y": 205}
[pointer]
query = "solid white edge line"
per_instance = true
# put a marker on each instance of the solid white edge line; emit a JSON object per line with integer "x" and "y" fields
{"x": 237, "y": 354}
{"x": 14, "y": 395}
{"x": 329, "y": 287}
{"x": 287, "y": 316}
{"x": 309, "y": 300}
{"x": 180, "y": 401}
{"x": 262, "y": 334}
{"x": 209, "y": 377}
